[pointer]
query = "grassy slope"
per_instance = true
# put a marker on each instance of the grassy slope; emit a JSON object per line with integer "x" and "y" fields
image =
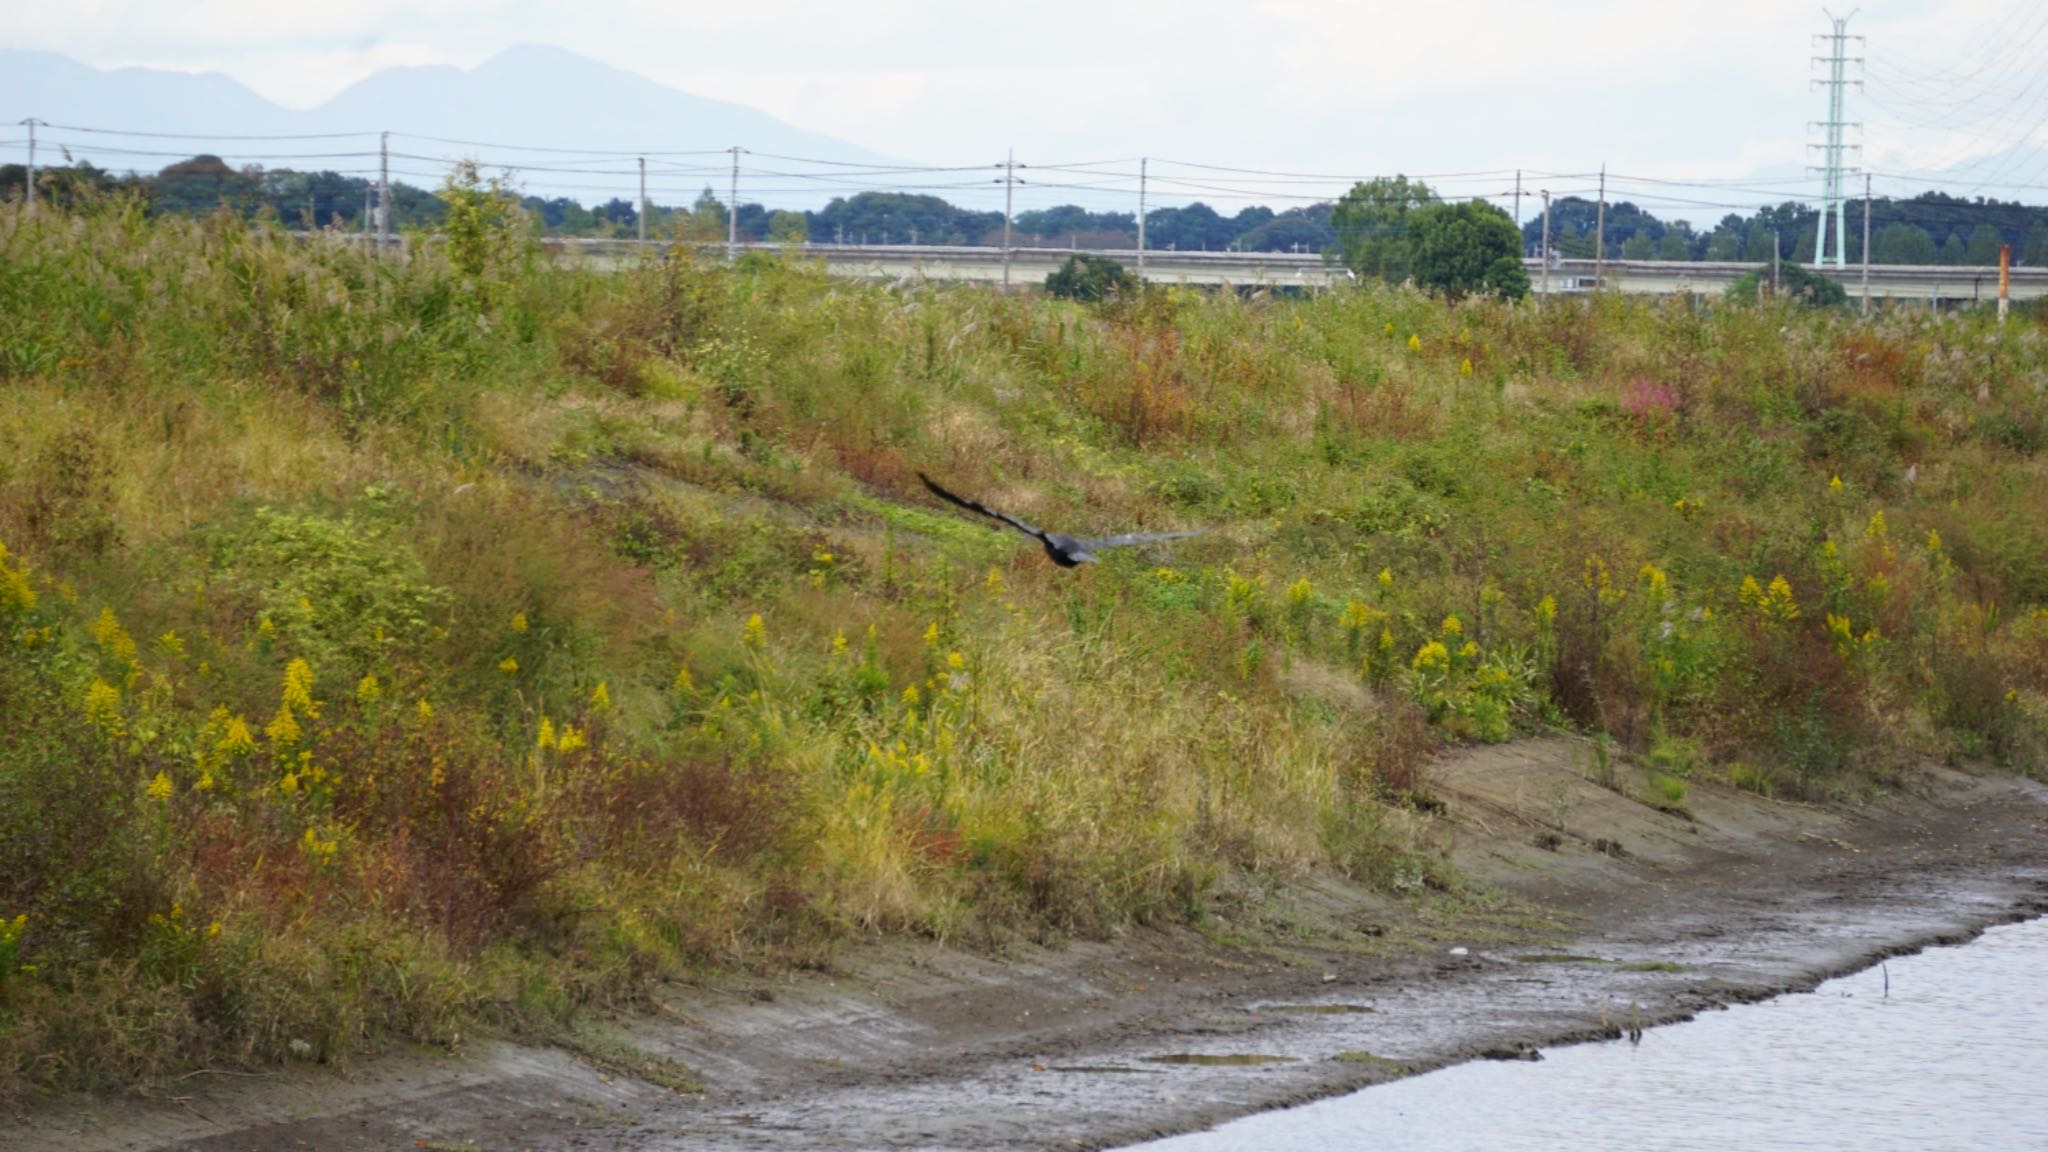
{"x": 388, "y": 651}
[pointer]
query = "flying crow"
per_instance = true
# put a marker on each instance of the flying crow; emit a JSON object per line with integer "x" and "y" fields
{"x": 1066, "y": 551}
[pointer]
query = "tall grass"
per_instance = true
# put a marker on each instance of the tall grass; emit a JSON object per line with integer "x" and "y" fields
{"x": 385, "y": 657}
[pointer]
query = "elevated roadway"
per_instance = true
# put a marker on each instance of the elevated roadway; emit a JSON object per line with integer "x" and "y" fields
{"x": 1937, "y": 285}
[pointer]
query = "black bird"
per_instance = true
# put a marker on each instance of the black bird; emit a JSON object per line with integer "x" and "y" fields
{"x": 1066, "y": 551}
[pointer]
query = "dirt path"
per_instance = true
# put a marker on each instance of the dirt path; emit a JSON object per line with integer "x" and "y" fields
{"x": 1605, "y": 914}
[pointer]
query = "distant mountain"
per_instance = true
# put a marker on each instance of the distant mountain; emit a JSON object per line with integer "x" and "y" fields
{"x": 503, "y": 112}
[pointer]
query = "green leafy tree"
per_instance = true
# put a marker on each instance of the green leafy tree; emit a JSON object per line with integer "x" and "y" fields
{"x": 1461, "y": 249}
{"x": 1795, "y": 281}
{"x": 484, "y": 229}
{"x": 1639, "y": 247}
{"x": 789, "y": 227}
{"x": 2036, "y": 250}
{"x": 1372, "y": 226}
{"x": 1902, "y": 244}
{"x": 1983, "y": 245}
{"x": 1090, "y": 278}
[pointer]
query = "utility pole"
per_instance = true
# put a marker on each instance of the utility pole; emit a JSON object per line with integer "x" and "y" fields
{"x": 1546, "y": 248}
{"x": 1600, "y": 233}
{"x": 1831, "y": 151}
{"x": 1141, "y": 219}
{"x": 30, "y": 186}
{"x": 1009, "y": 189}
{"x": 2004, "y": 281}
{"x": 1866, "y": 243}
{"x": 383, "y": 193}
{"x": 642, "y": 216}
{"x": 732, "y": 219}
{"x": 1518, "y": 208}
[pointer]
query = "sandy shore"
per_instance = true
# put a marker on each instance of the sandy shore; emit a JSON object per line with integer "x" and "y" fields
{"x": 1586, "y": 913}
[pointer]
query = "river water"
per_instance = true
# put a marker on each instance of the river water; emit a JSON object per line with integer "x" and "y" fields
{"x": 1945, "y": 1049}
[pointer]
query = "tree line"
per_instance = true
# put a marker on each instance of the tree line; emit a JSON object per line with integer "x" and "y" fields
{"x": 1930, "y": 228}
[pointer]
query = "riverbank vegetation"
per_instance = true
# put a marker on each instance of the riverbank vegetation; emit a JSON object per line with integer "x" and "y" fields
{"x": 393, "y": 650}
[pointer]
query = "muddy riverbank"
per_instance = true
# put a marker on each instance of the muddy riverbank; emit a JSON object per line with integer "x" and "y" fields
{"x": 1586, "y": 912}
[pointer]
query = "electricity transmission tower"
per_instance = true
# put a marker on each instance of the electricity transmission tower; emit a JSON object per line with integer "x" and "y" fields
{"x": 1832, "y": 170}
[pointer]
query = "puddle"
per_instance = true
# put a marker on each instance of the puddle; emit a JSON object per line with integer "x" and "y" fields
{"x": 1219, "y": 1060}
{"x": 1560, "y": 958}
{"x": 1101, "y": 1068}
{"x": 1317, "y": 1009}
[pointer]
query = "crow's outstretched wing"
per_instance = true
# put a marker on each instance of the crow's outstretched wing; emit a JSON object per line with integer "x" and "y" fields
{"x": 984, "y": 509}
{"x": 1136, "y": 538}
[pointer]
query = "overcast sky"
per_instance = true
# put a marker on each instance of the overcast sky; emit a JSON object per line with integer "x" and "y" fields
{"x": 1685, "y": 89}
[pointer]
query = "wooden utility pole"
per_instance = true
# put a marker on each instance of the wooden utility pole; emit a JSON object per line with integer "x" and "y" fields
{"x": 383, "y": 193}
{"x": 2004, "y": 280}
{"x": 1866, "y": 243}
{"x": 1546, "y": 248}
{"x": 1141, "y": 219}
{"x": 1600, "y": 233}
{"x": 732, "y": 218}
{"x": 642, "y": 215}
{"x": 31, "y": 183}
{"x": 1009, "y": 188}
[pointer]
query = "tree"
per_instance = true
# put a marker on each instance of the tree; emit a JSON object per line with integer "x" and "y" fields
{"x": 1639, "y": 247}
{"x": 1460, "y": 249}
{"x": 1983, "y": 245}
{"x": 2036, "y": 251}
{"x": 789, "y": 227}
{"x": 1090, "y": 278}
{"x": 1902, "y": 244}
{"x": 1796, "y": 282}
{"x": 1372, "y": 226}
{"x": 1674, "y": 246}
{"x": 483, "y": 226}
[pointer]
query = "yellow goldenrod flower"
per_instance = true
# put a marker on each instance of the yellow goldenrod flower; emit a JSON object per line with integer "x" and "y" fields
{"x": 17, "y": 594}
{"x": 1546, "y": 611}
{"x": 572, "y": 739}
{"x": 1299, "y": 592}
{"x": 519, "y": 622}
{"x": 289, "y": 784}
{"x": 213, "y": 930}
{"x": 171, "y": 644}
{"x": 103, "y": 707}
{"x": 1414, "y": 342}
{"x": 910, "y": 697}
{"x": 931, "y": 634}
{"x": 1386, "y": 578}
{"x": 955, "y": 661}
{"x": 204, "y": 783}
{"x": 1431, "y": 655}
{"x": 994, "y": 580}
{"x": 509, "y": 664}
{"x": 112, "y": 638}
{"x": 1389, "y": 329}
{"x": 1465, "y": 367}
{"x": 601, "y": 698}
{"x": 547, "y": 734}
{"x": 1875, "y": 530}
{"x": 235, "y": 738}
{"x": 298, "y": 687}
{"x": 368, "y": 691}
{"x": 1933, "y": 540}
{"x": 1469, "y": 650}
{"x": 838, "y": 643}
{"x": 265, "y": 628}
{"x": 160, "y": 788}
{"x": 683, "y": 682}
{"x": 756, "y": 633}
{"x": 1453, "y": 626}
{"x": 283, "y": 728}
{"x": 424, "y": 710}
{"x": 1835, "y": 485}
